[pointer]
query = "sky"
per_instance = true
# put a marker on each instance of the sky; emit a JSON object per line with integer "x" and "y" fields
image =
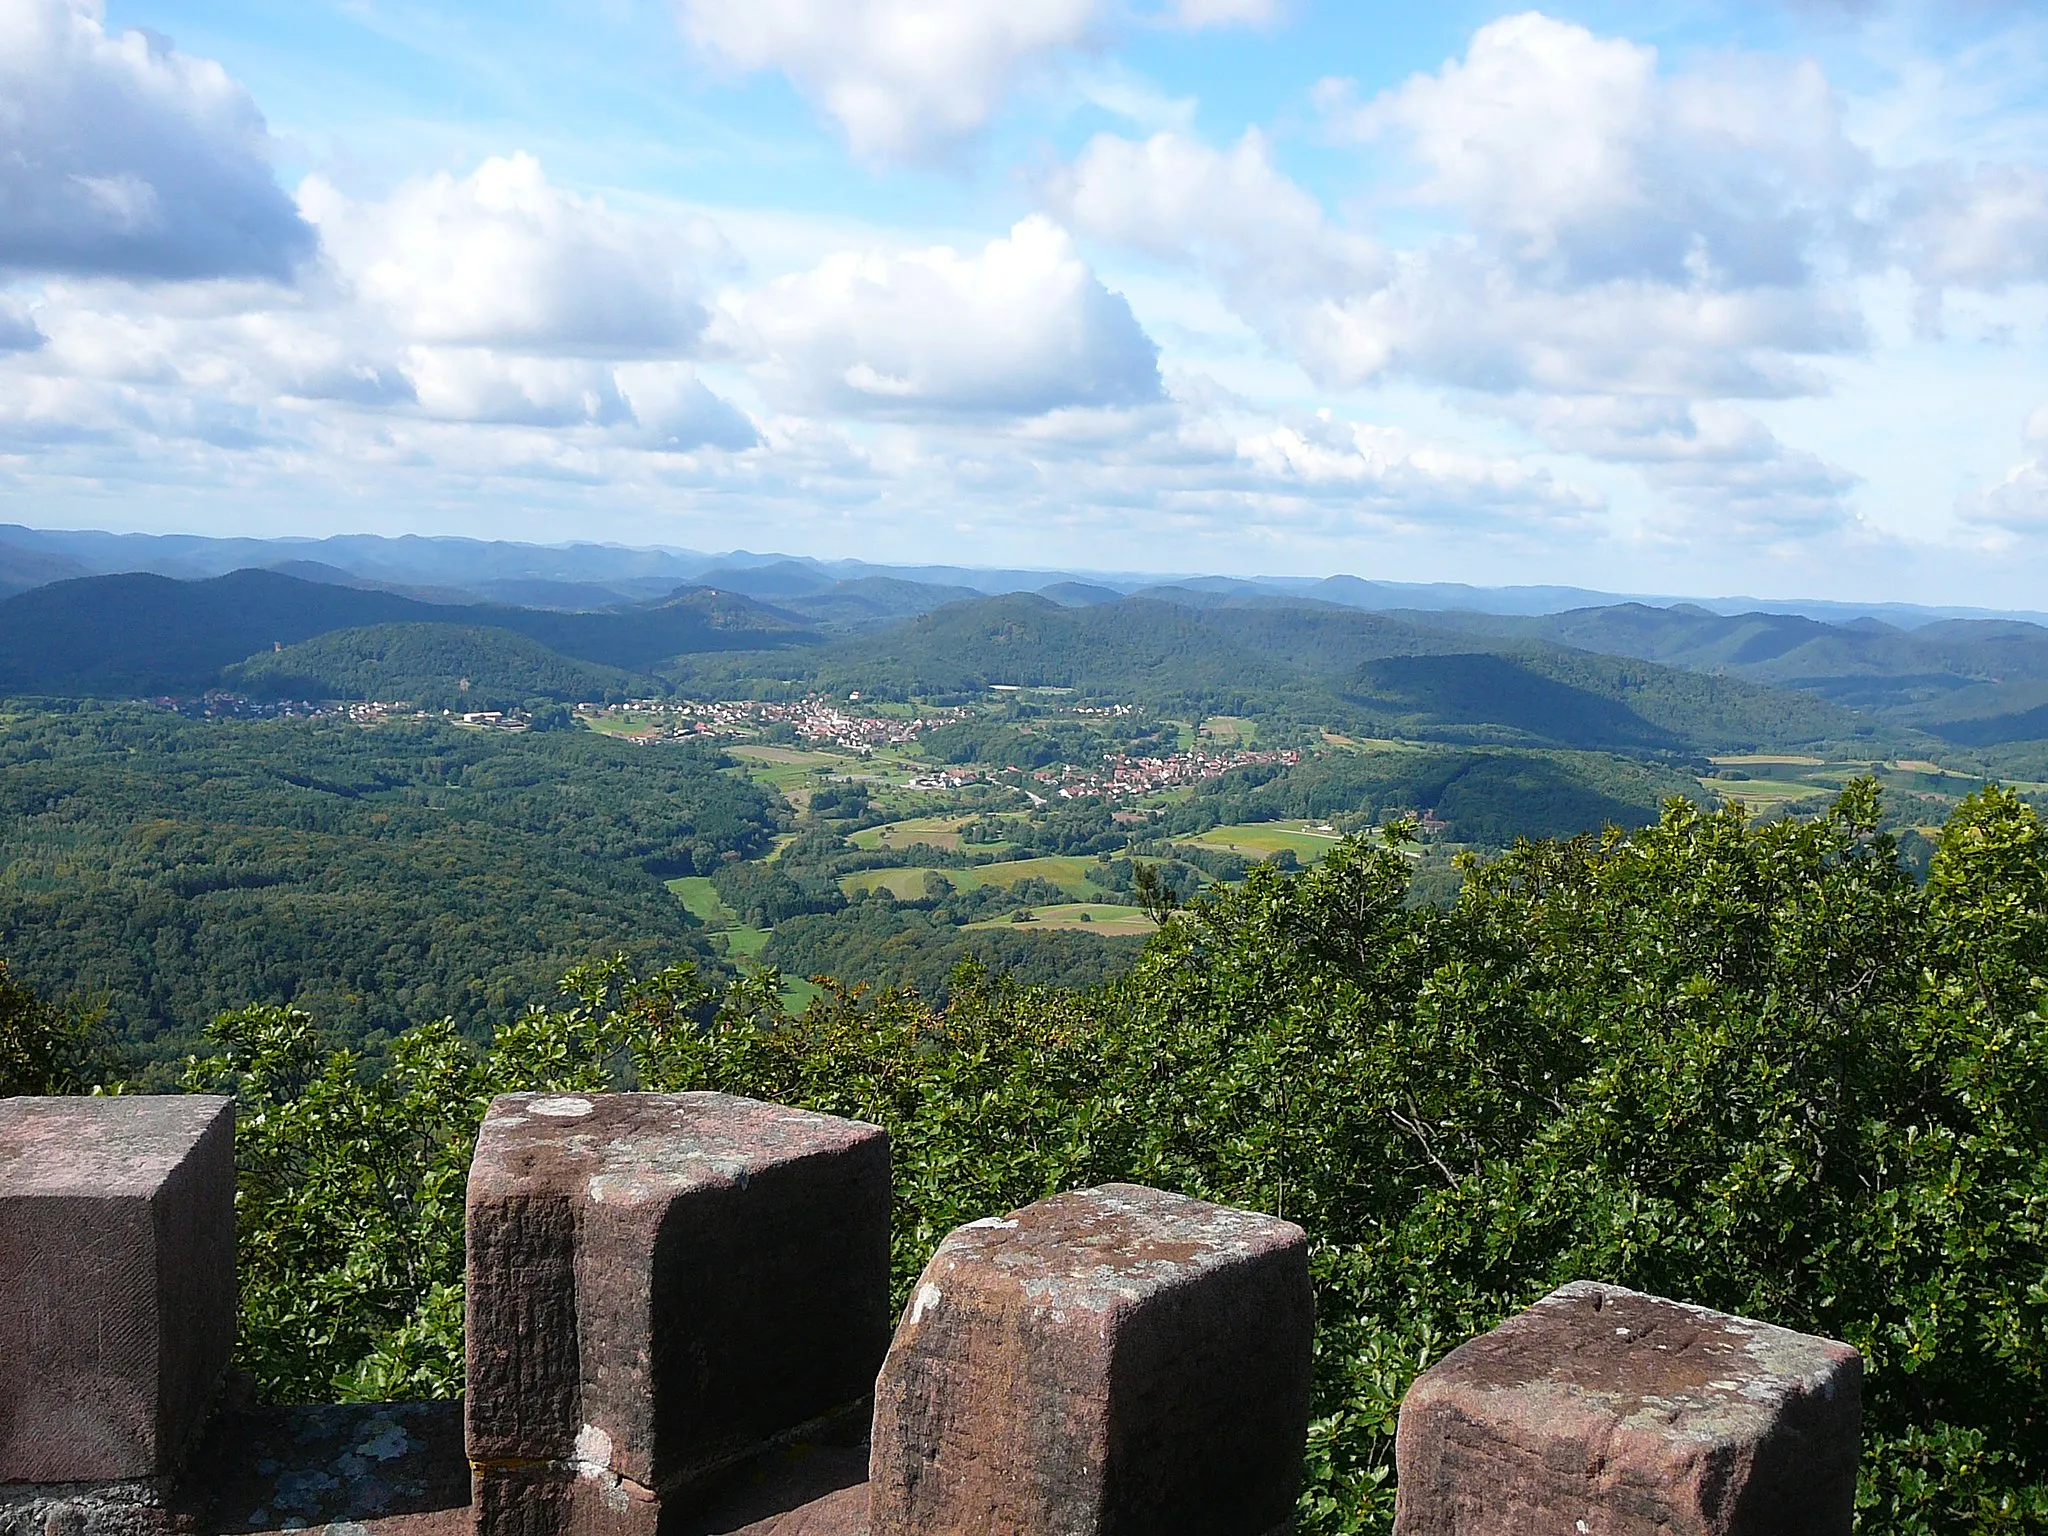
{"x": 1700, "y": 298}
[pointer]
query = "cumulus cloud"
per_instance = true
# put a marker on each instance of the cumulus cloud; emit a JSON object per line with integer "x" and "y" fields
{"x": 1980, "y": 228}
{"x": 1730, "y": 472}
{"x": 1020, "y": 327}
{"x": 120, "y": 155}
{"x": 903, "y": 78}
{"x": 1604, "y": 240}
{"x": 1386, "y": 472}
{"x": 1576, "y": 157}
{"x": 2018, "y": 503}
{"x": 675, "y": 412}
{"x": 898, "y": 76}
{"x": 18, "y": 330}
{"x": 502, "y": 257}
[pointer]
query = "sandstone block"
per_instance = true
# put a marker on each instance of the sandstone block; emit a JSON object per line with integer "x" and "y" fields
{"x": 660, "y": 1285}
{"x": 1110, "y": 1362}
{"x": 1605, "y": 1412}
{"x": 117, "y": 1282}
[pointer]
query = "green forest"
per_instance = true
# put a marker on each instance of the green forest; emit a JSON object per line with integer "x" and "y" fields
{"x": 171, "y": 868}
{"x": 1753, "y": 1065}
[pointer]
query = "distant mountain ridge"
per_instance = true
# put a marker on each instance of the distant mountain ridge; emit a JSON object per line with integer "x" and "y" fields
{"x": 1391, "y": 674}
{"x": 143, "y": 635}
{"x": 597, "y": 575}
{"x": 1973, "y": 682}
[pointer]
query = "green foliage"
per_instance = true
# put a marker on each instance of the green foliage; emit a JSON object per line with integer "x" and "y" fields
{"x": 47, "y": 1047}
{"x": 372, "y": 877}
{"x": 881, "y": 943}
{"x": 432, "y": 666}
{"x": 1488, "y": 797}
{"x": 138, "y": 634}
{"x": 1754, "y": 1066}
{"x": 1372, "y": 673}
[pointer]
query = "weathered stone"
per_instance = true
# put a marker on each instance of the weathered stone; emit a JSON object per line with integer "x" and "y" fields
{"x": 117, "y": 1282}
{"x": 660, "y": 1285}
{"x": 1109, "y": 1362}
{"x": 1604, "y": 1412}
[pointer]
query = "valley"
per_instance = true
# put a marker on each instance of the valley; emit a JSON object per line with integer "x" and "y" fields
{"x": 262, "y": 786}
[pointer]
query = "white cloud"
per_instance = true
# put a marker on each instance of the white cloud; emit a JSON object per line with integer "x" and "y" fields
{"x": 675, "y": 412}
{"x": 18, "y": 329}
{"x": 1982, "y": 228}
{"x": 1577, "y": 159}
{"x": 1020, "y": 327}
{"x": 1386, "y": 472}
{"x": 1607, "y": 237}
{"x": 1177, "y": 198}
{"x": 2018, "y": 503}
{"x": 502, "y": 257}
{"x": 1224, "y": 13}
{"x": 904, "y": 78}
{"x": 1730, "y": 472}
{"x": 898, "y": 76}
{"x": 121, "y": 155}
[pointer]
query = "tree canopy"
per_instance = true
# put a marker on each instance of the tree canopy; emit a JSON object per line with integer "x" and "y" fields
{"x": 1752, "y": 1066}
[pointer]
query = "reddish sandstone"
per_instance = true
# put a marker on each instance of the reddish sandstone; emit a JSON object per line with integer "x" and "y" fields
{"x": 1113, "y": 1360}
{"x": 659, "y": 1286}
{"x": 1604, "y": 1412}
{"x": 117, "y": 1265}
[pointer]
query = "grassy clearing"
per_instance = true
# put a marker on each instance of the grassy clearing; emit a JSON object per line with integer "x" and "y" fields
{"x": 698, "y": 896}
{"x": 935, "y": 831}
{"x": 1227, "y": 730}
{"x": 637, "y": 723}
{"x": 1085, "y": 917}
{"x": 1259, "y": 839}
{"x": 1070, "y": 874}
{"x": 1767, "y": 760}
{"x": 1765, "y": 794}
{"x": 696, "y": 892}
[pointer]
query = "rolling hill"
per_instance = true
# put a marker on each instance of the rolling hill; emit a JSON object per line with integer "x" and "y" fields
{"x": 1311, "y": 661}
{"x": 1973, "y": 682}
{"x": 434, "y": 666}
{"x": 143, "y": 635}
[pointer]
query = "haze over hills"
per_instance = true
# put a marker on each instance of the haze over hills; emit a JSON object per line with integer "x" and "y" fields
{"x": 144, "y": 634}
{"x": 1629, "y": 676}
{"x": 592, "y": 576}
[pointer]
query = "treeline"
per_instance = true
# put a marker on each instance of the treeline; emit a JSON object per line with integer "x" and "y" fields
{"x": 433, "y": 666}
{"x": 177, "y": 867}
{"x": 1752, "y": 1066}
{"x": 1294, "y": 664}
{"x": 885, "y": 943}
{"x": 1487, "y": 797}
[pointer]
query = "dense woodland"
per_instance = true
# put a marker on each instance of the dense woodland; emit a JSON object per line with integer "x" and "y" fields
{"x": 174, "y": 868}
{"x": 1753, "y": 1066}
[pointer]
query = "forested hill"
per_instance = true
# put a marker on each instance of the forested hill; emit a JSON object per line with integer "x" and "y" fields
{"x": 140, "y": 635}
{"x": 1973, "y": 682}
{"x": 434, "y": 666}
{"x": 1377, "y": 673}
{"x": 176, "y": 868}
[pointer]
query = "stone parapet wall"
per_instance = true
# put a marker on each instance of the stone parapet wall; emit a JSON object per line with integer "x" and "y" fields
{"x": 678, "y": 1326}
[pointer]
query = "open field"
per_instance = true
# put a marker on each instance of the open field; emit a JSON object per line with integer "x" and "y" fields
{"x": 742, "y": 942}
{"x": 1085, "y": 917}
{"x": 1227, "y": 730}
{"x": 1766, "y": 760}
{"x": 1070, "y": 874}
{"x": 1260, "y": 839}
{"x": 696, "y": 893}
{"x": 1767, "y": 794}
{"x": 934, "y": 831}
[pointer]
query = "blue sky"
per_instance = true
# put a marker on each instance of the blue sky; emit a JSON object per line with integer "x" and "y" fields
{"x": 1701, "y": 298}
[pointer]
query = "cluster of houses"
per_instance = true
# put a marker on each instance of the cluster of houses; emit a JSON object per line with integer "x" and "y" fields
{"x": 816, "y": 719}
{"x": 1129, "y": 778}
